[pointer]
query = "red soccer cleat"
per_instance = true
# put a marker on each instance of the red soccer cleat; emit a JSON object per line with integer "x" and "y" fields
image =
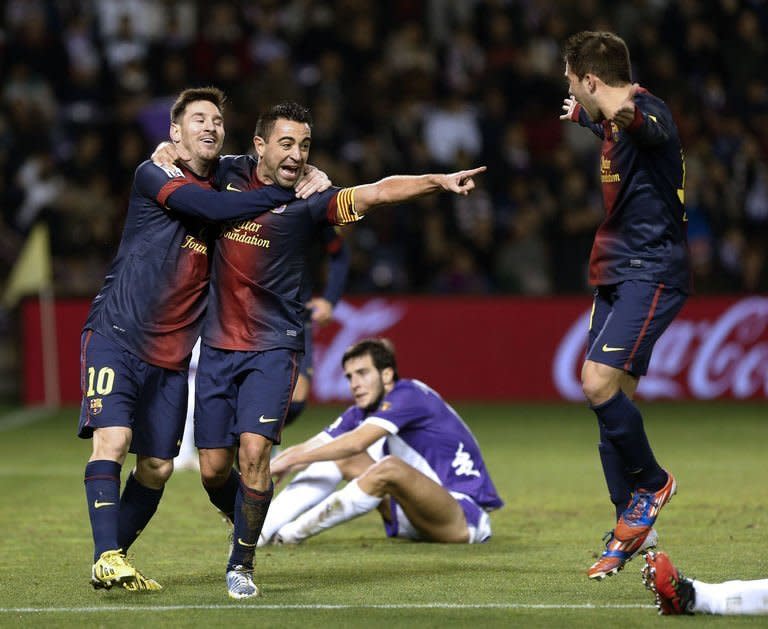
{"x": 673, "y": 592}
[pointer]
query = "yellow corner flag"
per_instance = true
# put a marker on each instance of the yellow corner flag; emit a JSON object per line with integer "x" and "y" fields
{"x": 32, "y": 271}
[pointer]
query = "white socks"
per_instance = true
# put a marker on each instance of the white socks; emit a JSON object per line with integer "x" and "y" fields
{"x": 306, "y": 489}
{"x": 343, "y": 505}
{"x": 731, "y": 597}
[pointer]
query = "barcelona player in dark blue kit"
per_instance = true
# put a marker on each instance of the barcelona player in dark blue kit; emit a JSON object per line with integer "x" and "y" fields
{"x": 139, "y": 334}
{"x": 320, "y": 311}
{"x": 639, "y": 266}
{"x": 253, "y": 335}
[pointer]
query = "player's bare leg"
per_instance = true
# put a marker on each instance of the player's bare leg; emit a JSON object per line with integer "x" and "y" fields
{"x": 435, "y": 512}
{"x": 428, "y": 506}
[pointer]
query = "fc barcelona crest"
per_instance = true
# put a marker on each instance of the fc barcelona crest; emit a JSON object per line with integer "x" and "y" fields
{"x": 95, "y": 405}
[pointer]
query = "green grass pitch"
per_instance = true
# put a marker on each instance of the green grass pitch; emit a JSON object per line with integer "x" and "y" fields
{"x": 531, "y": 574}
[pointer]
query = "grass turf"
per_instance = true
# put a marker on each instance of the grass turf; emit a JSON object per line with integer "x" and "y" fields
{"x": 532, "y": 573}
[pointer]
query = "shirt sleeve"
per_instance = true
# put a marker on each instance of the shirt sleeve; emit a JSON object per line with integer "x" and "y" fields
{"x": 335, "y": 205}
{"x": 156, "y": 183}
{"x": 652, "y": 123}
{"x": 222, "y": 206}
{"x": 346, "y": 422}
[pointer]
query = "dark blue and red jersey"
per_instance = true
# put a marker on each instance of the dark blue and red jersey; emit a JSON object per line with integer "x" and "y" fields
{"x": 642, "y": 171}
{"x": 155, "y": 293}
{"x": 259, "y": 265}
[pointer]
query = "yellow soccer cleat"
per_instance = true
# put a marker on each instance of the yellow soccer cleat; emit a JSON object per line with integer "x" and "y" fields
{"x": 142, "y": 584}
{"x": 112, "y": 568}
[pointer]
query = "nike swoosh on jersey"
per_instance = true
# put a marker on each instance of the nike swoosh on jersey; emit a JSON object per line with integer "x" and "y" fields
{"x": 267, "y": 420}
{"x": 99, "y": 505}
{"x": 232, "y": 188}
{"x": 606, "y": 348}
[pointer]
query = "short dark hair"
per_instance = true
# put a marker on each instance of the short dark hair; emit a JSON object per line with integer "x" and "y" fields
{"x": 600, "y": 53}
{"x": 211, "y": 94}
{"x": 381, "y": 351}
{"x": 289, "y": 111}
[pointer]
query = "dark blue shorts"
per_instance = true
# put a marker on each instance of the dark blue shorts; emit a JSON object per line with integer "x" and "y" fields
{"x": 120, "y": 389}
{"x": 627, "y": 320}
{"x": 237, "y": 392}
{"x": 305, "y": 364}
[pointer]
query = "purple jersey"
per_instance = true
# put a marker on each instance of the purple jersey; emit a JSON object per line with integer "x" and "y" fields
{"x": 259, "y": 265}
{"x": 155, "y": 292}
{"x": 642, "y": 171}
{"x": 425, "y": 432}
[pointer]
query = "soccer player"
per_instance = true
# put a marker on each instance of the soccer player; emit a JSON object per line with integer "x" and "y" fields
{"x": 639, "y": 267}
{"x": 139, "y": 334}
{"x": 253, "y": 334}
{"x": 432, "y": 485}
{"x": 319, "y": 312}
{"x": 676, "y": 594}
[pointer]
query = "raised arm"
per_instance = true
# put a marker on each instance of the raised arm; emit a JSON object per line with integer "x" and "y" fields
{"x": 400, "y": 188}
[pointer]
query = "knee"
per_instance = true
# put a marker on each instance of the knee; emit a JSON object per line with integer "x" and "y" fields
{"x": 153, "y": 472}
{"x": 384, "y": 474}
{"x": 111, "y": 444}
{"x": 598, "y": 384}
{"x": 214, "y": 470}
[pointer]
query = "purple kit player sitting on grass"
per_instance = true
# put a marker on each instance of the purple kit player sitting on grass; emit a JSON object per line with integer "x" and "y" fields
{"x": 639, "y": 266}
{"x": 431, "y": 485}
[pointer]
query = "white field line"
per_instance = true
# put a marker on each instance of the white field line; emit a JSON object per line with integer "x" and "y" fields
{"x": 236, "y": 607}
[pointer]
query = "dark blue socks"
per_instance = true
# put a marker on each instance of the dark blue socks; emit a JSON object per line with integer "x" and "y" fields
{"x": 223, "y": 498}
{"x": 137, "y": 506}
{"x": 102, "y": 491}
{"x": 251, "y": 508}
{"x": 622, "y": 426}
{"x": 619, "y": 483}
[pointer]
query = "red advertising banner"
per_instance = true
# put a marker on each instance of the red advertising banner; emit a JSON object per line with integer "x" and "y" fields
{"x": 494, "y": 348}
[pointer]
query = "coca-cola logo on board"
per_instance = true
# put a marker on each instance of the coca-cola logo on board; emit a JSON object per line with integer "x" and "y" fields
{"x": 725, "y": 356}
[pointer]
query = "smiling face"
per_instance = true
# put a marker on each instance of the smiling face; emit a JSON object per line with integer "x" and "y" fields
{"x": 283, "y": 155}
{"x": 368, "y": 384}
{"x": 199, "y": 134}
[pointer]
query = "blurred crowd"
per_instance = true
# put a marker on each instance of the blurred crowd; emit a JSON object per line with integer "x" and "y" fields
{"x": 404, "y": 86}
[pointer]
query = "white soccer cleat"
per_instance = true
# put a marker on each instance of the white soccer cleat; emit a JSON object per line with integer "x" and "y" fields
{"x": 240, "y": 583}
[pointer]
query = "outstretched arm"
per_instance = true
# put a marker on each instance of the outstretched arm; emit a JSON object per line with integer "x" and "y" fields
{"x": 341, "y": 447}
{"x": 406, "y": 187}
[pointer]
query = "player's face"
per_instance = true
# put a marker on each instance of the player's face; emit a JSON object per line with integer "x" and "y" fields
{"x": 283, "y": 155}
{"x": 365, "y": 381}
{"x": 581, "y": 91}
{"x": 199, "y": 135}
